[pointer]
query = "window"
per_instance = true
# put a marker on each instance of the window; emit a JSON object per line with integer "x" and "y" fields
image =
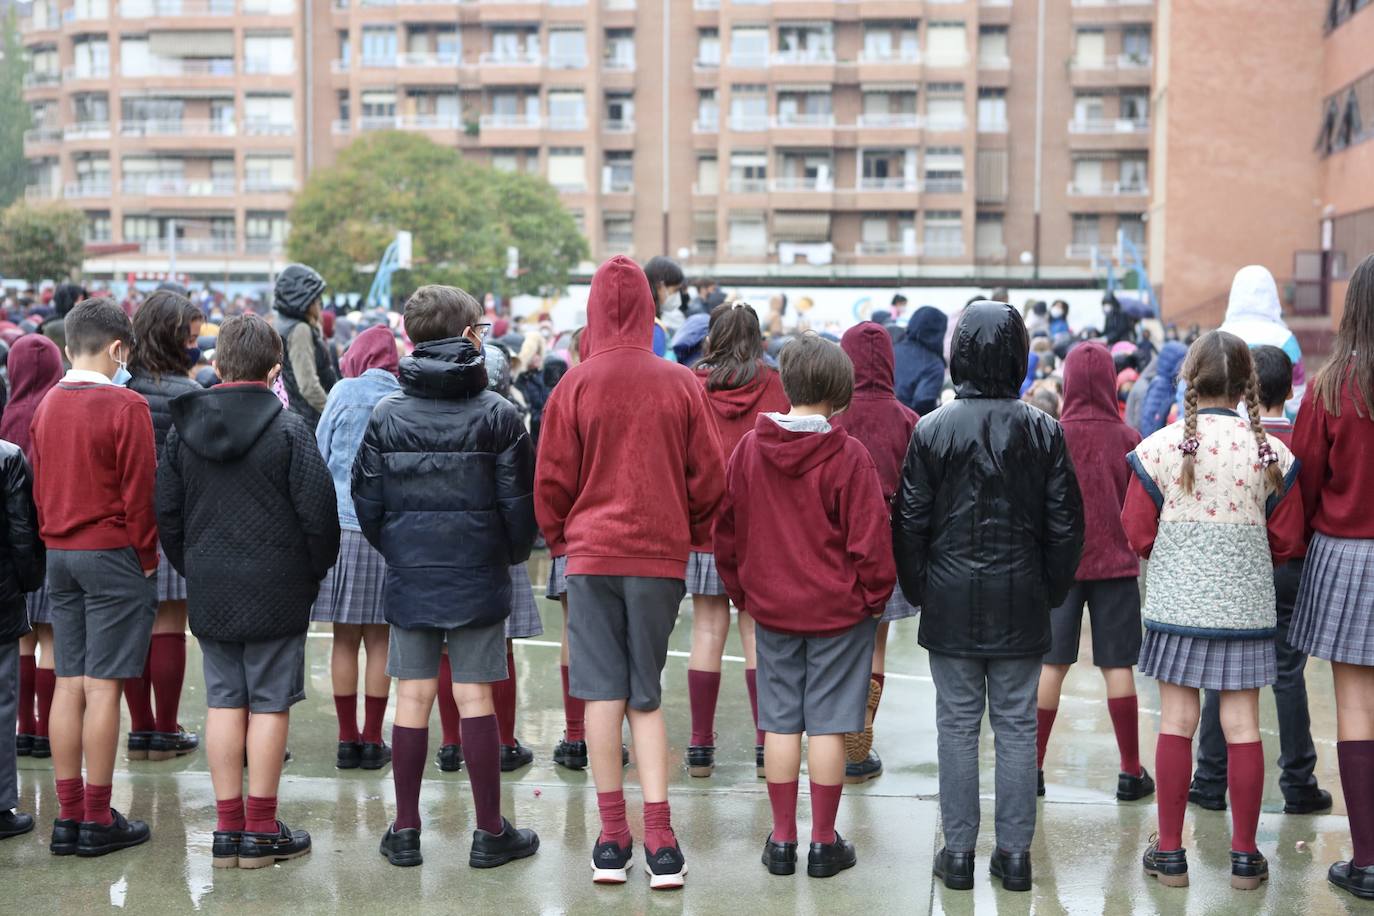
{"x": 874, "y": 231}
{"x": 992, "y": 110}
{"x": 567, "y": 169}
{"x": 806, "y": 171}
{"x": 708, "y": 175}
{"x": 89, "y": 108}
{"x": 992, "y": 47}
{"x": 748, "y": 172}
{"x": 1089, "y": 109}
{"x": 1086, "y": 233}
{"x": 991, "y": 175}
{"x": 265, "y": 231}
{"x": 514, "y": 45}
{"x": 379, "y": 46}
{"x": 944, "y": 170}
{"x": 143, "y": 229}
{"x": 567, "y": 110}
{"x": 618, "y": 175}
{"x": 886, "y": 41}
{"x": 804, "y": 108}
{"x": 1135, "y": 107}
{"x": 704, "y": 232}
{"x": 945, "y": 106}
{"x": 1087, "y": 176}
{"x": 1090, "y": 49}
{"x": 1132, "y": 228}
{"x": 98, "y": 228}
{"x": 888, "y": 169}
{"x": 749, "y": 46}
{"x": 946, "y": 44}
{"x": 273, "y": 53}
{"x": 708, "y": 110}
{"x": 944, "y": 234}
{"x": 987, "y": 236}
{"x": 708, "y": 48}
{"x": 1135, "y": 45}
{"x": 618, "y": 229}
{"x": 344, "y": 48}
{"x": 748, "y": 107}
{"x": 568, "y": 49}
{"x": 620, "y": 49}
{"x": 748, "y": 234}
{"x": 620, "y": 110}
{"x": 344, "y": 110}
{"x": 806, "y": 42}
{"x": 268, "y": 173}
{"x": 1134, "y": 174}
{"x": 504, "y": 160}
{"x": 92, "y": 57}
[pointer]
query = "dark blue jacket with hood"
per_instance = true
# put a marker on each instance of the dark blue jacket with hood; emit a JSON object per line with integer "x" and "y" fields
{"x": 921, "y": 360}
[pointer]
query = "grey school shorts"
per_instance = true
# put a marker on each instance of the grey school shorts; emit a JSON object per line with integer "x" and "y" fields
{"x": 102, "y": 608}
{"x": 1114, "y": 609}
{"x": 477, "y": 655}
{"x": 814, "y": 684}
{"x": 618, "y": 629}
{"x": 264, "y": 676}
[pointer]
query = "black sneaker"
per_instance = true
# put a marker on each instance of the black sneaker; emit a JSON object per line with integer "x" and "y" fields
{"x": 667, "y": 869}
{"x": 610, "y": 862}
{"x": 955, "y": 869}
{"x": 758, "y": 762}
{"x": 41, "y": 748}
{"x": 1014, "y": 868}
{"x": 12, "y": 823}
{"x": 136, "y": 745}
{"x": 701, "y": 760}
{"x": 515, "y": 756}
{"x": 571, "y": 755}
{"x": 350, "y": 754}
{"x": 1040, "y": 783}
{"x": 780, "y": 858}
{"x": 166, "y": 745}
{"x": 224, "y": 848}
{"x": 492, "y": 849}
{"x": 1208, "y": 800}
{"x": 402, "y": 847}
{"x": 871, "y": 767}
{"x": 65, "y": 832}
{"x": 825, "y": 860}
{"x": 375, "y": 756}
{"x": 1248, "y": 870}
{"x": 1134, "y": 788}
{"x": 23, "y": 745}
{"x": 259, "y": 850}
{"x": 1171, "y": 868}
{"x": 1313, "y": 801}
{"x": 1352, "y": 878}
{"x": 450, "y": 758}
{"x": 94, "y": 839}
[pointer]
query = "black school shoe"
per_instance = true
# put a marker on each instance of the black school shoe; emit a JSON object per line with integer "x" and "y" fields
{"x": 12, "y": 823}
{"x": 825, "y": 860}
{"x": 402, "y": 847}
{"x": 350, "y": 754}
{"x": 515, "y": 756}
{"x": 224, "y": 848}
{"x": 449, "y": 759}
{"x": 1014, "y": 868}
{"x": 1134, "y": 788}
{"x": 758, "y": 762}
{"x": 1312, "y": 802}
{"x": 1352, "y": 878}
{"x": 871, "y": 767}
{"x": 492, "y": 849}
{"x": 666, "y": 868}
{"x": 136, "y": 745}
{"x": 375, "y": 756}
{"x": 1206, "y": 800}
{"x": 571, "y": 755}
{"x": 42, "y": 749}
{"x": 166, "y": 745}
{"x": 701, "y": 760}
{"x": 1170, "y": 868}
{"x": 955, "y": 869}
{"x": 1248, "y": 870}
{"x": 259, "y": 850}
{"x": 23, "y": 745}
{"x": 94, "y": 839}
{"x": 65, "y": 831}
{"x": 780, "y": 858}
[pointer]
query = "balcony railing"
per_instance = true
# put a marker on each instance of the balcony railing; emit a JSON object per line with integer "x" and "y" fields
{"x": 1108, "y": 189}
{"x": 618, "y": 126}
{"x": 1083, "y": 251}
{"x": 87, "y": 130}
{"x": 1134, "y": 61}
{"x": 944, "y": 185}
{"x": 1113, "y": 2}
{"x": 1108, "y": 125}
{"x": 91, "y": 72}
{"x": 994, "y": 62}
{"x": 378, "y": 122}
{"x": 706, "y": 125}
{"x": 87, "y": 189}
{"x": 190, "y": 246}
{"x": 901, "y": 120}
{"x": 887, "y": 249}
{"x": 749, "y": 122}
{"x": 890, "y": 56}
{"x": 946, "y": 122}
{"x": 341, "y": 127}
{"x": 947, "y": 59}
{"x": 803, "y": 119}
{"x": 802, "y": 183}
{"x": 619, "y": 184}
{"x": 179, "y": 187}
{"x": 992, "y": 125}
{"x": 162, "y": 127}
{"x": 568, "y": 122}
{"x": 430, "y": 122}
{"x": 269, "y": 7}
{"x": 749, "y": 61}
{"x": 568, "y": 62}
{"x": 618, "y": 62}
{"x": 701, "y": 190}
{"x": 187, "y": 66}
{"x": 339, "y": 65}
{"x": 268, "y": 65}
{"x": 40, "y": 192}
{"x": 263, "y": 246}
{"x": 943, "y": 249}
{"x": 88, "y": 12}
{"x": 37, "y": 79}
{"x": 42, "y": 135}
{"x": 430, "y": 59}
{"x": 266, "y": 184}
{"x": 144, "y": 9}
{"x": 509, "y": 121}
{"x": 747, "y": 185}
{"x": 889, "y": 184}
{"x": 803, "y": 57}
{"x": 265, "y": 127}
{"x": 499, "y": 59}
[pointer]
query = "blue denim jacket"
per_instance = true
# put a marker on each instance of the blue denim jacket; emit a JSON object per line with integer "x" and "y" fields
{"x": 341, "y": 430}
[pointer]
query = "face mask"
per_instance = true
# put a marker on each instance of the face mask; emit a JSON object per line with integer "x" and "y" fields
{"x": 122, "y": 375}
{"x": 192, "y": 357}
{"x": 1058, "y": 314}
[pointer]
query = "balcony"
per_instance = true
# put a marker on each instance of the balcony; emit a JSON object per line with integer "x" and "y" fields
{"x": 40, "y": 80}
{"x": 87, "y": 130}
{"x": 617, "y": 184}
{"x": 264, "y": 127}
{"x": 1109, "y": 189}
{"x": 944, "y": 185}
{"x": 890, "y": 56}
{"x": 747, "y": 185}
{"x": 804, "y": 57}
{"x": 568, "y": 62}
{"x": 799, "y": 119}
{"x": 994, "y": 62}
{"x": 618, "y": 126}
{"x": 1128, "y": 62}
{"x": 706, "y": 126}
{"x": 339, "y": 65}
{"x": 430, "y": 122}
{"x": 268, "y": 66}
{"x": 263, "y": 246}
{"x": 417, "y": 59}
{"x": 950, "y": 123}
{"x": 269, "y": 7}
{"x": 159, "y": 127}
{"x": 1090, "y": 251}
{"x": 803, "y": 184}
{"x": 890, "y": 248}
{"x": 1134, "y": 61}
{"x": 87, "y": 12}
{"x": 1098, "y": 125}
{"x": 153, "y": 186}
{"x": 992, "y": 125}
{"x": 618, "y": 63}
{"x": 889, "y": 184}
{"x": 701, "y": 190}
{"x": 170, "y": 9}
{"x": 942, "y": 249}
{"x": 91, "y": 72}
{"x": 266, "y": 184}
{"x": 510, "y": 121}
{"x": 189, "y": 246}
{"x": 749, "y": 123}
{"x": 950, "y": 59}
{"x": 568, "y": 122}
{"x": 378, "y": 122}
{"x": 40, "y": 192}
{"x": 88, "y": 188}
{"x": 749, "y": 61}
{"x": 179, "y": 66}
{"x": 341, "y": 127}
{"x": 906, "y": 121}
{"x": 501, "y": 59}
{"x": 1113, "y": 2}
{"x": 37, "y": 135}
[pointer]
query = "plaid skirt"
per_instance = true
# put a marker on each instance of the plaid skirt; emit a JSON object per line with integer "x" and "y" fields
{"x": 170, "y": 585}
{"x": 1334, "y": 616}
{"x": 351, "y": 592}
{"x": 558, "y": 579}
{"x": 524, "y": 619}
{"x": 702, "y": 578}
{"x": 1214, "y": 664}
{"x": 37, "y": 604}
{"x": 898, "y": 608}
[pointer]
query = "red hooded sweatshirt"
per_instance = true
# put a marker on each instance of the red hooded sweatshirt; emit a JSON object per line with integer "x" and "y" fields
{"x": 875, "y": 417}
{"x": 734, "y": 410}
{"x": 35, "y": 366}
{"x": 629, "y": 472}
{"x": 1098, "y": 441}
{"x": 803, "y": 542}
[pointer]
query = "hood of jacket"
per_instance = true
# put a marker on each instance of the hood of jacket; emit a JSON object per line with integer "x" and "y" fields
{"x": 927, "y": 327}
{"x": 1170, "y": 360}
{"x": 795, "y": 452}
{"x": 297, "y": 289}
{"x": 620, "y": 309}
{"x": 222, "y": 423}
{"x": 35, "y": 366}
{"x": 733, "y": 403}
{"x": 374, "y": 348}
{"x": 990, "y": 353}
{"x": 1090, "y": 385}
{"x": 1254, "y": 297}
{"x": 869, "y": 347}
{"x": 450, "y": 368}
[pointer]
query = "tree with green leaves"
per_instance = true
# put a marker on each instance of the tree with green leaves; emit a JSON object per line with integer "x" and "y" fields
{"x": 463, "y": 216}
{"x": 41, "y": 242}
{"x": 14, "y": 111}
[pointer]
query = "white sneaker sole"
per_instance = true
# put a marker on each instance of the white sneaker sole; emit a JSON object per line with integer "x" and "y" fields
{"x": 611, "y": 875}
{"x": 666, "y": 882}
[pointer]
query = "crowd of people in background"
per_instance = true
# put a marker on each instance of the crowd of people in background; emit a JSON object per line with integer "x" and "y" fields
{"x": 178, "y": 459}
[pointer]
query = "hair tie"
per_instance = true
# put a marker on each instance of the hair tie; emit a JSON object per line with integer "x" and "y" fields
{"x": 1190, "y": 445}
{"x": 1267, "y": 455}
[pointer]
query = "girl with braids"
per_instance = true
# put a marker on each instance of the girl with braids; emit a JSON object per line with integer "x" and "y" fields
{"x": 1211, "y": 504}
{"x": 1334, "y": 617}
{"x": 738, "y": 387}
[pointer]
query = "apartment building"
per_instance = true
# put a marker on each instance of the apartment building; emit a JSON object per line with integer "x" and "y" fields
{"x": 845, "y": 138}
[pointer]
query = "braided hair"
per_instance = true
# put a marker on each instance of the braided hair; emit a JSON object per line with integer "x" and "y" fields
{"x": 1219, "y": 366}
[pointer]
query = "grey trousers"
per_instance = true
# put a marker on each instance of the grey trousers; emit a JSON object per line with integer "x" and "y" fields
{"x": 1005, "y": 688}
{"x": 9, "y": 706}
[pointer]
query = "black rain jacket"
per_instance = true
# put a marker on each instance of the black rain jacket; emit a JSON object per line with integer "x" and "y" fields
{"x": 22, "y": 559}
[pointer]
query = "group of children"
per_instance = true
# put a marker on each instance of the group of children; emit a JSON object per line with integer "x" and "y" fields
{"x": 808, "y": 496}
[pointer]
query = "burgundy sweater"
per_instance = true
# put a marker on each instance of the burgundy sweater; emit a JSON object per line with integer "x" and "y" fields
{"x": 94, "y": 463}
{"x": 1337, "y": 474}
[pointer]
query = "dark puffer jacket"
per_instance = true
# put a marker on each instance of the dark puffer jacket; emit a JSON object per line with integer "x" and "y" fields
{"x": 21, "y": 553}
{"x": 159, "y": 392}
{"x": 246, "y": 513}
{"x": 444, "y": 488}
{"x": 988, "y": 522}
